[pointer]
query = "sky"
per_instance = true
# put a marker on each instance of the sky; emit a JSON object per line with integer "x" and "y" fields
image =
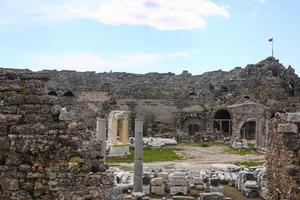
{"x": 140, "y": 36}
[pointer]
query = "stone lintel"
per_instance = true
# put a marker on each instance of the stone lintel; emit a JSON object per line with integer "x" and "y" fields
{"x": 293, "y": 117}
{"x": 287, "y": 128}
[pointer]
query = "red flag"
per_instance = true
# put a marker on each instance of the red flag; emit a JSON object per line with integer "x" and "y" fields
{"x": 271, "y": 40}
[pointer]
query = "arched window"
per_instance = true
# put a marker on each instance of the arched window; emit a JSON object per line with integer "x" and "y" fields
{"x": 52, "y": 93}
{"x": 68, "y": 94}
{"x": 248, "y": 130}
{"x": 222, "y": 122}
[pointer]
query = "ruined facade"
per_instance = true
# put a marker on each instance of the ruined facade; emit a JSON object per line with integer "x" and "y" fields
{"x": 238, "y": 102}
{"x": 43, "y": 155}
{"x": 283, "y": 157}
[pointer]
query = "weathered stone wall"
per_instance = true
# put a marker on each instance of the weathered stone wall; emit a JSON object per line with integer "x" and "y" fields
{"x": 283, "y": 157}
{"x": 164, "y": 97}
{"x": 41, "y": 156}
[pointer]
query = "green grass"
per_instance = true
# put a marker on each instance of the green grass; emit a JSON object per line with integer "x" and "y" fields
{"x": 202, "y": 144}
{"x": 228, "y": 149}
{"x": 251, "y": 150}
{"x": 252, "y": 163}
{"x": 150, "y": 155}
{"x": 75, "y": 159}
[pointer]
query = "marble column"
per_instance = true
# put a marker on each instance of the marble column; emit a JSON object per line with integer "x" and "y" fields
{"x": 138, "y": 157}
{"x": 101, "y": 134}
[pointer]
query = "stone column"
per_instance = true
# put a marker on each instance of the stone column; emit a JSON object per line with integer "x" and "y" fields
{"x": 138, "y": 157}
{"x": 125, "y": 131}
{"x": 101, "y": 134}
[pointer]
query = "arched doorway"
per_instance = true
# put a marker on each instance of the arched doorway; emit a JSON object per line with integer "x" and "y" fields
{"x": 248, "y": 130}
{"x": 222, "y": 122}
{"x": 193, "y": 128}
{"x": 193, "y": 125}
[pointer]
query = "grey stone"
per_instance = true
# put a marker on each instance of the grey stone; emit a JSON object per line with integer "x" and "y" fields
{"x": 177, "y": 180}
{"x": 138, "y": 157}
{"x": 157, "y": 181}
{"x": 158, "y": 189}
{"x": 212, "y": 196}
{"x": 293, "y": 117}
{"x": 287, "y": 128}
{"x": 178, "y": 190}
{"x": 66, "y": 116}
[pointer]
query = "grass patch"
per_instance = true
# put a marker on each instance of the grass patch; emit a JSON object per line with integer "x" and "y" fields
{"x": 75, "y": 159}
{"x": 251, "y": 150}
{"x": 150, "y": 155}
{"x": 252, "y": 163}
{"x": 202, "y": 144}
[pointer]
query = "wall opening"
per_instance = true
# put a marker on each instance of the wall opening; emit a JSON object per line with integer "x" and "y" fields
{"x": 274, "y": 113}
{"x": 248, "y": 130}
{"x": 52, "y": 93}
{"x": 68, "y": 94}
{"x": 193, "y": 128}
{"x": 222, "y": 123}
{"x": 291, "y": 89}
{"x": 193, "y": 125}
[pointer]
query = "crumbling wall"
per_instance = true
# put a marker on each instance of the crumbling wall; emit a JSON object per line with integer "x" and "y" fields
{"x": 165, "y": 96}
{"x": 41, "y": 155}
{"x": 283, "y": 157}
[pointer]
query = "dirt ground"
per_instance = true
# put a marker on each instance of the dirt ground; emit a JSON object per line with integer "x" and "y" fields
{"x": 196, "y": 158}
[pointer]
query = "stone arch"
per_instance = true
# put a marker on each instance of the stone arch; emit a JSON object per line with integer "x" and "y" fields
{"x": 222, "y": 122}
{"x": 193, "y": 125}
{"x": 248, "y": 130}
{"x": 53, "y": 93}
{"x": 68, "y": 93}
{"x": 278, "y": 111}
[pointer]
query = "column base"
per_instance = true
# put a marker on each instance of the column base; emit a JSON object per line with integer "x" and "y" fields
{"x": 118, "y": 150}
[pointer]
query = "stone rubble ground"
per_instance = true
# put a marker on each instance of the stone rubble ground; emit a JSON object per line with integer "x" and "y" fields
{"x": 204, "y": 184}
{"x": 156, "y": 141}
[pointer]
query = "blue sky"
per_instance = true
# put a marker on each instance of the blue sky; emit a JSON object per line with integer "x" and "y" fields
{"x": 143, "y": 36}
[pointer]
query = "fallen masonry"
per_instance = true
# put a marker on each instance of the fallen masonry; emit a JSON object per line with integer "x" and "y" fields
{"x": 204, "y": 184}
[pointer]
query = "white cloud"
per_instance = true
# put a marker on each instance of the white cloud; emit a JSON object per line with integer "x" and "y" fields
{"x": 160, "y": 14}
{"x": 262, "y": 1}
{"x": 93, "y": 62}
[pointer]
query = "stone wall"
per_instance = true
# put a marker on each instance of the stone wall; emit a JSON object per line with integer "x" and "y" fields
{"x": 42, "y": 156}
{"x": 283, "y": 157}
{"x": 163, "y": 97}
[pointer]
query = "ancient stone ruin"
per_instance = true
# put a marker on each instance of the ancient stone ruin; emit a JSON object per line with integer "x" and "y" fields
{"x": 41, "y": 156}
{"x": 53, "y": 128}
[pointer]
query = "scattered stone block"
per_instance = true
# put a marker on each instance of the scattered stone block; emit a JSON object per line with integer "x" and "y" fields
{"x": 163, "y": 175}
{"x": 157, "y": 181}
{"x": 293, "y": 117}
{"x": 212, "y": 196}
{"x": 287, "y": 128}
{"x": 177, "y": 181}
{"x": 178, "y": 190}
{"x": 158, "y": 189}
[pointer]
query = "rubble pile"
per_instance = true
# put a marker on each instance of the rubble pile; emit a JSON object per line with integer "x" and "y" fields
{"x": 155, "y": 141}
{"x": 205, "y": 184}
{"x": 43, "y": 155}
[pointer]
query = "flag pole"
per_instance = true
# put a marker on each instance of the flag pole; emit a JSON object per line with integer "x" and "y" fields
{"x": 272, "y": 48}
